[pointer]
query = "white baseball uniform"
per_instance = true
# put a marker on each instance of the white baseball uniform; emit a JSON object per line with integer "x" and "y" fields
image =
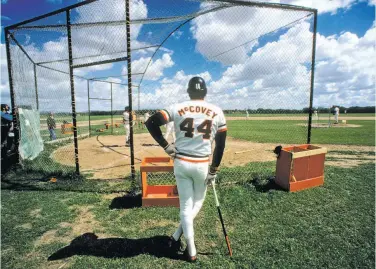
{"x": 126, "y": 125}
{"x": 336, "y": 111}
{"x": 196, "y": 123}
{"x": 315, "y": 115}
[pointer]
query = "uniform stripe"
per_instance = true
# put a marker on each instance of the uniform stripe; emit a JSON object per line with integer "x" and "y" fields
{"x": 165, "y": 115}
{"x": 193, "y": 161}
{"x": 221, "y": 125}
{"x": 168, "y": 114}
{"x": 193, "y": 156}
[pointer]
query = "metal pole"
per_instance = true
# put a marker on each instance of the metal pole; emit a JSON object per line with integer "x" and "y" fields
{"x": 129, "y": 67}
{"x": 72, "y": 92}
{"x": 312, "y": 76}
{"x": 88, "y": 103}
{"x": 12, "y": 97}
{"x": 112, "y": 117}
{"x": 138, "y": 93}
{"x": 36, "y": 86}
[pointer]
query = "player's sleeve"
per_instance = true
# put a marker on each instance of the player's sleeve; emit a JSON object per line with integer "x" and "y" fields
{"x": 222, "y": 126}
{"x": 154, "y": 122}
{"x": 168, "y": 114}
{"x": 220, "y": 142}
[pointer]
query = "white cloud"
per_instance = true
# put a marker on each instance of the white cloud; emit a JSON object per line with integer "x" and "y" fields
{"x": 169, "y": 90}
{"x": 155, "y": 69}
{"x": 177, "y": 34}
{"x": 344, "y": 71}
{"x": 323, "y": 6}
{"x": 228, "y": 29}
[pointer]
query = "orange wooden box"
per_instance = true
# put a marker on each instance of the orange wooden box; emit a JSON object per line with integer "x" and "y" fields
{"x": 67, "y": 128}
{"x": 300, "y": 167}
{"x": 158, "y": 195}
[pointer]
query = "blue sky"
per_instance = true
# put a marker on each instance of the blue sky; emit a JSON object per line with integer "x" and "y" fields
{"x": 271, "y": 69}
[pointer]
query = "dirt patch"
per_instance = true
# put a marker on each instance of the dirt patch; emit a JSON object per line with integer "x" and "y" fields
{"x": 351, "y": 157}
{"x": 347, "y": 163}
{"x": 36, "y": 213}
{"x": 26, "y": 226}
{"x": 84, "y": 223}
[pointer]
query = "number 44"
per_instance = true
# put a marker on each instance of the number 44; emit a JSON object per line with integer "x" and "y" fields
{"x": 204, "y": 128}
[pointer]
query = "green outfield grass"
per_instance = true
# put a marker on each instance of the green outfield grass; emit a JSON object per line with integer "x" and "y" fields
{"x": 290, "y": 132}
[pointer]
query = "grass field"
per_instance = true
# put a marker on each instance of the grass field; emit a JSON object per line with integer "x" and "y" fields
{"x": 290, "y": 132}
{"x": 326, "y": 227}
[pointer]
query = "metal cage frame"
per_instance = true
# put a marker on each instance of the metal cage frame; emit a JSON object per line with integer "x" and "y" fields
{"x": 185, "y": 19}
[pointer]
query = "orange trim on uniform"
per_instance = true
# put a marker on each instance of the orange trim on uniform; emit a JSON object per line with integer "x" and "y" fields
{"x": 193, "y": 161}
{"x": 164, "y": 114}
{"x": 222, "y": 130}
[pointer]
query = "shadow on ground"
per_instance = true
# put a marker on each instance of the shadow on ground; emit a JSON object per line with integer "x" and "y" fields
{"x": 126, "y": 202}
{"x": 265, "y": 185}
{"x": 88, "y": 244}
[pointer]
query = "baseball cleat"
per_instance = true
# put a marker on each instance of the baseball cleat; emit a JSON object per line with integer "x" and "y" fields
{"x": 188, "y": 257}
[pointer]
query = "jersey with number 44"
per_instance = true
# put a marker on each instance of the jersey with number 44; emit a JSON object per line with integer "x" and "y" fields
{"x": 196, "y": 123}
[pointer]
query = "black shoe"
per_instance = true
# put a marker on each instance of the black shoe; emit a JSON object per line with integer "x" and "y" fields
{"x": 173, "y": 244}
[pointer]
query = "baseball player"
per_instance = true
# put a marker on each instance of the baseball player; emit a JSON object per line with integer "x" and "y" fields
{"x": 336, "y": 114}
{"x": 170, "y": 129}
{"x": 197, "y": 123}
{"x": 246, "y": 111}
{"x": 126, "y": 125}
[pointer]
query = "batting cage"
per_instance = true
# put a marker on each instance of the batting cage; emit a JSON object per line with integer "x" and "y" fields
{"x": 73, "y": 71}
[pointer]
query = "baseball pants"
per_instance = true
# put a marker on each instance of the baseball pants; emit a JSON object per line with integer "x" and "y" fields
{"x": 190, "y": 179}
{"x": 336, "y": 118}
{"x": 127, "y": 128}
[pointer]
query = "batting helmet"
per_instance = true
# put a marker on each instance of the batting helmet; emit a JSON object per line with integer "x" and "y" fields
{"x": 126, "y": 108}
{"x": 197, "y": 87}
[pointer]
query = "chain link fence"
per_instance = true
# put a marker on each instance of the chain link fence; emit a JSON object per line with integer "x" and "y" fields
{"x": 69, "y": 73}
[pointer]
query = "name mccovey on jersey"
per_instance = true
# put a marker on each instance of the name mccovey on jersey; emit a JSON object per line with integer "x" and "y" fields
{"x": 197, "y": 109}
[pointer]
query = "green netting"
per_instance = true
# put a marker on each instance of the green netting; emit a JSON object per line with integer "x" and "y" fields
{"x": 31, "y": 142}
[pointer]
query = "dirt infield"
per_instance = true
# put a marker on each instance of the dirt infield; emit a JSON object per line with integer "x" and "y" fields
{"x": 106, "y": 157}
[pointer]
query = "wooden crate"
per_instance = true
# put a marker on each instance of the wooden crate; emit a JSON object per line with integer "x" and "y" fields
{"x": 67, "y": 128}
{"x": 158, "y": 195}
{"x": 300, "y": 167}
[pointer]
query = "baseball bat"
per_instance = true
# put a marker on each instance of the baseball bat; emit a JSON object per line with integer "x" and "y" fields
{"x": 223, "y": 225}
